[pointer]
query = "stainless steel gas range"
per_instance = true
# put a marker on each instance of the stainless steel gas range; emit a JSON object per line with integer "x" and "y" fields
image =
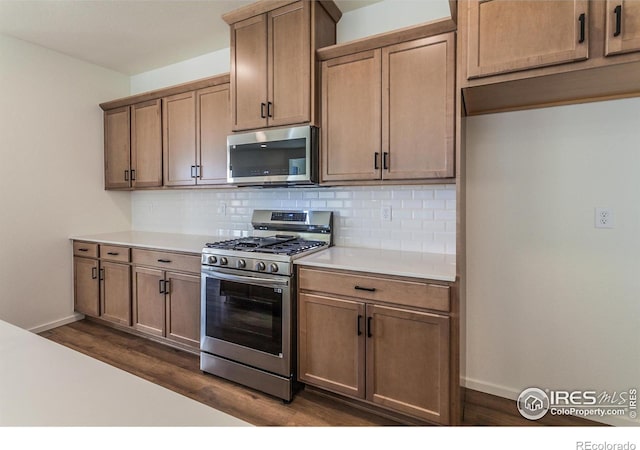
{"x": 248, "y": 328}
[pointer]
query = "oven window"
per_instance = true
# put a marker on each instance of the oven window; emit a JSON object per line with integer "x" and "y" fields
{"x": 244, "y": 314}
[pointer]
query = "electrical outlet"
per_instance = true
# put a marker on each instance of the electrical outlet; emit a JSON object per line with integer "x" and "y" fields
{"x": 385, "y": 213}
{"x": 222, "y": 209}
{"x": 604, "y": 218}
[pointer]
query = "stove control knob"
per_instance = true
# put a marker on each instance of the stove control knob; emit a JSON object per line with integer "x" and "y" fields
{"x": 241, "y": 264}
{"x": 273, "y": 267}
{"x": 223, "y": 261}
{"x": 261, "y": 266}
{"x": 212, "y": 260}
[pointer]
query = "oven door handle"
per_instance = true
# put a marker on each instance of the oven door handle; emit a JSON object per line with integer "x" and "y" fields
{"x": 266, "y": 282}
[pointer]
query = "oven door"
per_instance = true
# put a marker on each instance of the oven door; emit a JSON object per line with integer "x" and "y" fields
{"x": 247, "y": 318}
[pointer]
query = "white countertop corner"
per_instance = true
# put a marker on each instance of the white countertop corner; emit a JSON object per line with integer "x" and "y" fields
{"x": 431, "y": 266}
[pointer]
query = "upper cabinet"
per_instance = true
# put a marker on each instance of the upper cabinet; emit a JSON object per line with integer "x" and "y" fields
{"x": 388, "y": 112}
{"x": 533, "y": 53}
{"x": 623, "y": 26}
{"x": 169, "y": 137}
{"x": 273, "y": 64}
{"x": 133, "y": 146}
{"x": 530, "y": 34}
{"x": 195, "y": 129}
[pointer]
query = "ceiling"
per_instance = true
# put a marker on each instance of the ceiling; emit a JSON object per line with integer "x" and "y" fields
{"x": 128, "y": 36}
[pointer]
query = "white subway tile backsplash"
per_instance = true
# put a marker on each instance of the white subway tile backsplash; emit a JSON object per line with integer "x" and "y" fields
{"x": 423, "y": 217}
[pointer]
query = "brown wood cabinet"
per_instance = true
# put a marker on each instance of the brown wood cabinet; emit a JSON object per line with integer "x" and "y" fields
{"x": 535, "y": 53}
{"x": 388, "y": 113}
{"x": 381, "y": 351}
{"x": 115, "y": 292}
{"x": 273, "y": 61}
{"x": 86, "y": 286}
{"x": 170, "y": 137}
{"x": 507, "y": 36}
{"x": 195, "y": 129}
{"x": 166, "y": 303}
{"x": 102, "y": 281}
{"x": 133, "y": 146}
{"x": 623, "y": 27}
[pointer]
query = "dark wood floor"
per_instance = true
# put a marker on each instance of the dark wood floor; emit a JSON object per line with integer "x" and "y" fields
{"x": 179, "y": 371}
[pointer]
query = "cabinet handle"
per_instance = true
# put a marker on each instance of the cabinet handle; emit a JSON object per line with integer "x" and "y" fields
{"x": 360, "y": 288}
{"x": 166, "y": 261}
{"x": 126, "y": 175}
{"x": 133, "y": 174}
{"x": 359, "y": 329}
{"x": 83, "y": 249}
{"x": 385, "y": 160}
{"x": 167, "y": 286}
{"x": 262, "y": 107}
{"x": 369, "y": 333}
{"x": 582, "y": 20}
{"x": 376, "y": 160}
{"x": 101, "y": 274}
{"x": 161, "y": 286}
{"x": 618, "y": 12}
{"x": 198, "y": 171}
{"x": 94, "y": 273}
{"x": 193, "y": 171}
{"x": 113, "y": 253}
{"x": 269, "y": 109}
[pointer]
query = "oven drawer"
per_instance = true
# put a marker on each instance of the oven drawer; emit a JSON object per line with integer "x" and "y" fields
{"x": 87, "y": 249}
{"x": 166, "y": 260}
{"x": 391, "y": 290}
{"x": 115, "y": 253}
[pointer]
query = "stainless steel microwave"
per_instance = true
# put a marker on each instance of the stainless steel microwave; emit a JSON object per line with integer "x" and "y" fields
{"x": 278, "y": 157}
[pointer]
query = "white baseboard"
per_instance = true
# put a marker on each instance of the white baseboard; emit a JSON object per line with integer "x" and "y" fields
{"x": 512, "y": 394}
{"x": 57, "y": 323}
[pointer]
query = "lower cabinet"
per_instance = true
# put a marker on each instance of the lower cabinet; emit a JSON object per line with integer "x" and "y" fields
{"x": 86, "y": 286}
{"x": 167, "y": 304}
{"x": 153, "y": 292}
{"x": 391, "y": 356}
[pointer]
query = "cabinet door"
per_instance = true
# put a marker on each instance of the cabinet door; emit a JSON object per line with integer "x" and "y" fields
{"x": 179, "y": 139}
{"x": 331, "y": 344}
{"x": 146, "y": 144}
{"x": 213, "y": 128}
{"x": 408, "y": 362}
{"x": 351, "y": 117}
{"x": 623, "y": 27}
{"x": 183, "y": 308}
{"x": 86, "y": 287}
{"x": 417, "y": 109}
{"x": 289, "y": 64}
{"x": 507, "y": 36}
{"x": 117, "y": 150}
{"x": 148, "y": 300}
{"x": 249, "y": 73}
{"x": 115, "y": 290}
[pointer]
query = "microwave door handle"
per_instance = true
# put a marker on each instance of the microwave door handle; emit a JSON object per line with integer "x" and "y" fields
{"x": 266, "y": 282}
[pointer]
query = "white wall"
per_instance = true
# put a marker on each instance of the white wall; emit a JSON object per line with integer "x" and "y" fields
{"x": 51, "y": 176}
{"x": 552, "y": 301}
{"x": 389, "y": 15}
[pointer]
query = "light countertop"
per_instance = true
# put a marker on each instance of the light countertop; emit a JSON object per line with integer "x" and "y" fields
{"x": 431, "y": 266}
{"x": 188, "y": 243}
{"x": 43, "y": 383}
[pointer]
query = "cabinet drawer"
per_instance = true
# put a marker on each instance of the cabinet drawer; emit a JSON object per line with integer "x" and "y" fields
{"x": 165, "y": 260}
{"x": 390, "y": 290}
{"x": 115, "y": 253}
{"x": 88, "y": 249}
